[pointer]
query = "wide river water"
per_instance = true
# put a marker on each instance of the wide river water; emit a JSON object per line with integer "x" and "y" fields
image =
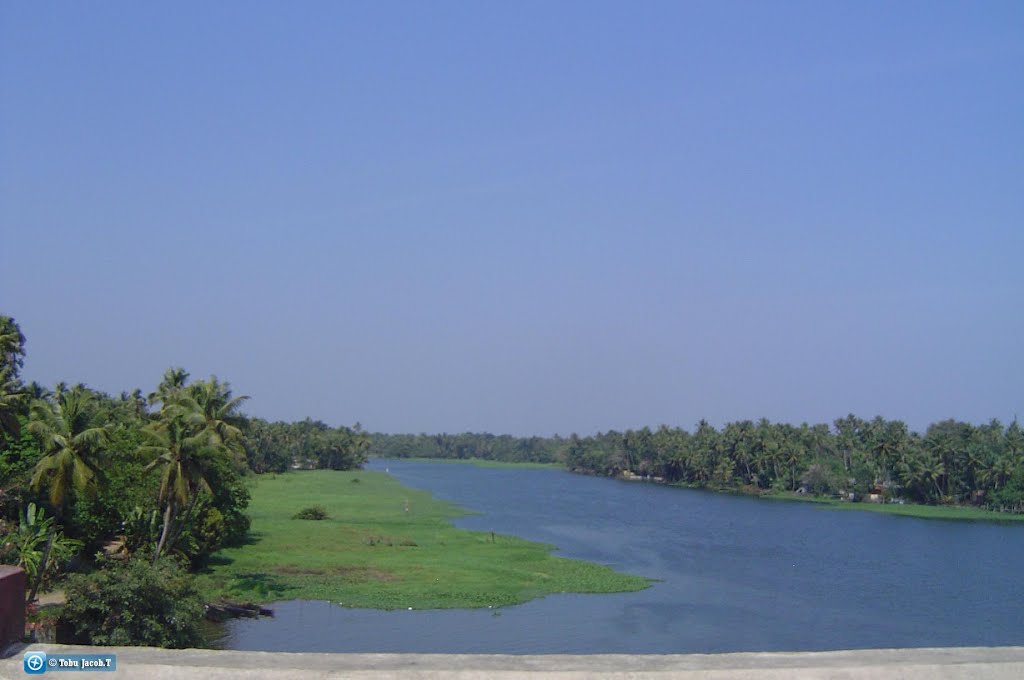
{"x": 733, "y": 574}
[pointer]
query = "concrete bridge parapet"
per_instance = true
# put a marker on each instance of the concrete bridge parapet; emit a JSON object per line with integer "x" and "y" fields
{"x": 985, "y": 663}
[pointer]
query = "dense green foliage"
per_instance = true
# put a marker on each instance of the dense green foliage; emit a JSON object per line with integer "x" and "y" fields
{"x": 305, "y": 445}
{"x": 952, "y": 462}
{"x": 467, "y": 445}
{"x": 135, "y": 603}
{"x": 12, "y": 397}
{"x": 136, "y": 476}
{"x": 37, "y": 546}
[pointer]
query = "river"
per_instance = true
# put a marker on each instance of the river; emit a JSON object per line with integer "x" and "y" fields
{"x": 733, "y": 574}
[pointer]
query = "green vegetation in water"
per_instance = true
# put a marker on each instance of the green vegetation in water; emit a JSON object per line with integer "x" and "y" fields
{"x": 386, "y": 546}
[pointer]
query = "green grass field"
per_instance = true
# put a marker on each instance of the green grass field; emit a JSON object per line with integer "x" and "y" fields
{"x": 386, "y": 546}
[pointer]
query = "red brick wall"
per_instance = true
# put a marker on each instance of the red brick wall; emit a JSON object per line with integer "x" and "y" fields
{"x": 12, "y": 605}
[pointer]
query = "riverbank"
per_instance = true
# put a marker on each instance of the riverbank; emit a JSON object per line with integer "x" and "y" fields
{"x": 945, "y": 512}
{"x": 386, "y": 546}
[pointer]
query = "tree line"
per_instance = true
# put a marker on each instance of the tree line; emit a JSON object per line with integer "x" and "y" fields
{"x": 951, "y": 462}
{"x": 467, "y": 445}
{"x": 91, "y": 479}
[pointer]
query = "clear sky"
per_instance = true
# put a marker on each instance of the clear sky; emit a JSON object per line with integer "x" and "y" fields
{"x": 523, "y": 217}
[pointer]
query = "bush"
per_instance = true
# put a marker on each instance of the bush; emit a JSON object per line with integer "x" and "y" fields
{"x": 25, "y": 545}
{"x": 314, "y": 512}
{"x": 134, "y": 603}
{"x": 230, "y": 498}
{"x": 822, "y": 479}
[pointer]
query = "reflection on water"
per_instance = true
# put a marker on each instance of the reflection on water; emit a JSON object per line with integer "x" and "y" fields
{"x": 735, "y": 574}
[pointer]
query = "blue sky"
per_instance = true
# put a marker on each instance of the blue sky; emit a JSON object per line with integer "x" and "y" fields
{"x": 524, "y": 217}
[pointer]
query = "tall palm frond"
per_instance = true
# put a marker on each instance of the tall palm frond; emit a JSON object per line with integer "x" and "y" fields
{"x": 223, "y": 421}
{"x": 72, "y": 443}
{"x": 173, "y": 383}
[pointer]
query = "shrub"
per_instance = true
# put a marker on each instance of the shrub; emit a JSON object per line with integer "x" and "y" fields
{"x": 230, "y": 498}
{"x": 821, "y": 479}
{"x": 26, "y": 545}
{"x": 134, "y": 603}
{"x": 313, "y": 512}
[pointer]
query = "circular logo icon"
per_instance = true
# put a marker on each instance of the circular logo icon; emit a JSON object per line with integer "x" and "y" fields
{"x": 35, "y": 662}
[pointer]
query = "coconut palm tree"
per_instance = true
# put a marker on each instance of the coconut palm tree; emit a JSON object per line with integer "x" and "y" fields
{"x": 12, "y": 345}
{"x": 72, "y": 443}
{"x": 136, "y": 403}
{"x": 220, "y": 409}
{"x": 180, "y": 447}
{"x": 173, "y": 383}
{"x": 11, "y": 403}
{"x": 12, "y": 399}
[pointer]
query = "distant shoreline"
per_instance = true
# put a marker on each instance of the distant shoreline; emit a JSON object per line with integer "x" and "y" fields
{"x": 944, "y": 512}
{"x": 481, "y": 462}
{"x": 939, "y": 512}
{"x": 918, "y": 510}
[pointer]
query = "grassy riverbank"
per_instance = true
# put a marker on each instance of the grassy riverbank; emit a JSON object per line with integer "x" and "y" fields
{"x": 948, "y": 512}
{"x": 386, "y": 546}
{"x": 951, "y": 512}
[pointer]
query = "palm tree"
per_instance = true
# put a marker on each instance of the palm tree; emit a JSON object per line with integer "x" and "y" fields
{"x": 1013, "y": 440}
{"x": 12, "y": 344}
{"x": 997, "y": 471}
{"x": 34, "y": 391}
{"x": 136, "y": 403}
{"x": 850, "y": 438}
{"x": 890, "y": 440}
{"x": 11, "y": 403}
{"x": 767, "y": 451}
{"x": 947, "y": 441}
{"x": 222, "y": 420}
{"x": 173, "y": 383}
{"x": 705, "y": 449}
{"x": 71, "y": 443}
{"x": 740, "y": 436}
{"x": 180, "y": 446}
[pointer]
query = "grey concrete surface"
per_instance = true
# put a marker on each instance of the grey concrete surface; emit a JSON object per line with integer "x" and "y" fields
{"x": 996, "y": 663}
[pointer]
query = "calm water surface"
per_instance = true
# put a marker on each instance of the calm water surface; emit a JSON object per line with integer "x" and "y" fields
{"x": 735, "y": 574}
